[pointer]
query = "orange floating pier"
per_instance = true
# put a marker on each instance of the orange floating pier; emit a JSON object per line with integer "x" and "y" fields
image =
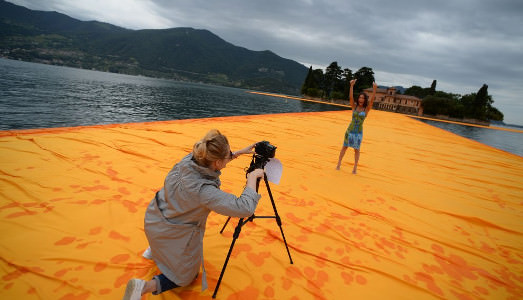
{"x": 430, "y": 215}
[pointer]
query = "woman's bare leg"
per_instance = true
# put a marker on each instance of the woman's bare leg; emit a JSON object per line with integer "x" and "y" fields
{"x": 342, "y": 153}
{"x": 356, "y": 158}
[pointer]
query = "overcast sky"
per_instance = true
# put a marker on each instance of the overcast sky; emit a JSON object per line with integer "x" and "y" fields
{"x": 460, "y": 43}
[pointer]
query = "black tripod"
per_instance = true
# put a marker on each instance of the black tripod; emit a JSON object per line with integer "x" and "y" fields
{"x": 238, "y": 229}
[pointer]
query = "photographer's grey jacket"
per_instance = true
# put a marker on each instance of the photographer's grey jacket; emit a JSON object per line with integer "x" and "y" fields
{"x": 175, "y": 219}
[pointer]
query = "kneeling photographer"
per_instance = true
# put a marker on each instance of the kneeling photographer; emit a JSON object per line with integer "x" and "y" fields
{"x": 175, "y": 219}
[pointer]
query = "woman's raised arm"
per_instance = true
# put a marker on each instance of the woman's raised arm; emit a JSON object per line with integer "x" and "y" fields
{"x": 372, "y": 97}
{"x": 351, "y": 96}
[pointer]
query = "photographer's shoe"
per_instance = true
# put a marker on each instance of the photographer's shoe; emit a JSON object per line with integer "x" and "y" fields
{"x": 147, "y": 254}
{"x": 134, "y": 288}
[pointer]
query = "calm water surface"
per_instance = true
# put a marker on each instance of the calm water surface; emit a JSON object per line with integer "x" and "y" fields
{"x": 40, "y": 96}
{"x": 505, "y": 140}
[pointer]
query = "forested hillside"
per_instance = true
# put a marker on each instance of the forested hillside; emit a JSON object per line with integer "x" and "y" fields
{"x": 178, "y": 53}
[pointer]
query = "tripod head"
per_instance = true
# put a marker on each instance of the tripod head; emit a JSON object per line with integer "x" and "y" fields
{"x": 263, "y": 152}
{"x": 257, "y": 162}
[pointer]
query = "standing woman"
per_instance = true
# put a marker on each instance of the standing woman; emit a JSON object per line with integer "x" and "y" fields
{"x": 354, "y": 133}
{"x": 175, "y": 219}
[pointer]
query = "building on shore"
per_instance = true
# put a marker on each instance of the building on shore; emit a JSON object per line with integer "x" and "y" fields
{"x": 388, "y": 100}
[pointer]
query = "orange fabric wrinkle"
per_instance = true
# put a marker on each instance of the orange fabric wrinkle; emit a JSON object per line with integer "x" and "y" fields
{"x": 429, "y": 215}
{"x": 117, "y": 236}
{"x": 65, "y": 241}
{"x": 118, "y": 259}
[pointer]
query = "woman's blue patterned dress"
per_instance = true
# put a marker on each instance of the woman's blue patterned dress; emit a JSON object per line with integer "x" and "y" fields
{"x": 354, "y": 133}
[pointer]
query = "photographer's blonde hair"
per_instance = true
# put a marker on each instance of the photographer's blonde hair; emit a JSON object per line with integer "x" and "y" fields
{"x": 212, "y": 147}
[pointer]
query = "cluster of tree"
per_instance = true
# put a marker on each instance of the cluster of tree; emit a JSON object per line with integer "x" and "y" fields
{"x": 473, "y": 106}
{"x": 334, "y": 83}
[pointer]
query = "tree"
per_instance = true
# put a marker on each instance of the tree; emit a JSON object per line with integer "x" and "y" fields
{"x": 495, "y": 114}
{"x": 309, "y": 82}
{"x": 346, "y": 78}
{"x": 433, "y": 87}
{"x": 479, "y": 106}
{"x": 414, "y": 90}
{"x": 418, "y": 91}
{"x": 336, "y": 80}
{"x": 442, "y": 94}
{"x": 435, "y": 105}
{"x": 481, "y": 102}
{"x": 318, "y": 78}
{"x": 316, "y": 86}
{"x": 468, "y": 105}
{"x": 364, "y": 79}
{"x": 332, "y": 77}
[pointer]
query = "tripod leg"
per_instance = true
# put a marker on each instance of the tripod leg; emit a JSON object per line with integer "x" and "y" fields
{"x": 237, "y": 231}
{"x": 278, "y": 220}
{"x": 224, "y": 225}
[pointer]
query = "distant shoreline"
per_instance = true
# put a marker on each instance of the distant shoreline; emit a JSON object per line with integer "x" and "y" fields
{"x": 466, "y": 122}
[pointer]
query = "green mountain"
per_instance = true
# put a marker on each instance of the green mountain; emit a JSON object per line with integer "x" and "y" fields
{"x": 177, "y": 53}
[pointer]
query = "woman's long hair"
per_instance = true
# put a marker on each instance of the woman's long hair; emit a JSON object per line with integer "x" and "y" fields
{"x": 212, "y": 147}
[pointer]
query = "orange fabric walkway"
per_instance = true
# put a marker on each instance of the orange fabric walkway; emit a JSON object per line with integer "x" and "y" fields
{"x": 430, "y": 215}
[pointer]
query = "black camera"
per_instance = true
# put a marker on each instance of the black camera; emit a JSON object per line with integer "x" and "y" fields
{"x": 263, "y": 151}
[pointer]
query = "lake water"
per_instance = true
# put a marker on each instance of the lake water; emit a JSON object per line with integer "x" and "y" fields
{"x": 40, "y": 96}
{"x": 505, "y": 140}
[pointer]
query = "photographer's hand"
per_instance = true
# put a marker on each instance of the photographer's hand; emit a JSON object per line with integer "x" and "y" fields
{"x": 246, "y": 150}
{"x": 253, "y": 176}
